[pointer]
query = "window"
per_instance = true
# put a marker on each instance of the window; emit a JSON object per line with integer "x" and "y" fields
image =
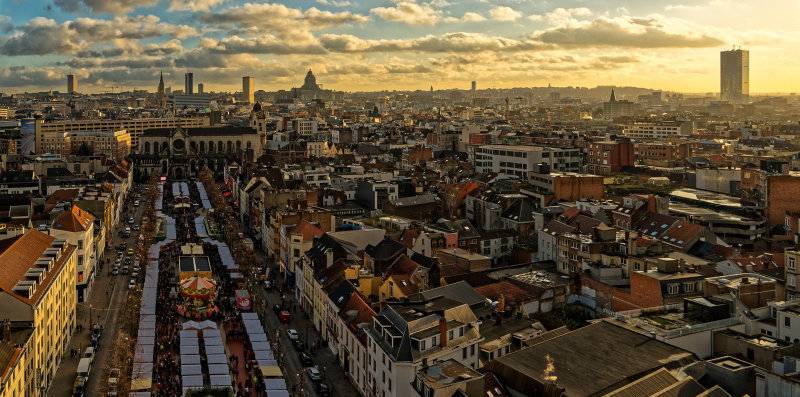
{"x": 471, "y": 350}
{"x": 787, "y": 321}
{"x": 461, "y": 331}
{"x": 673, "y": 289}
{"x": 422, "y": 345}
{"x": 80, "y": 244}
{"x": 450, "y": 335}
{"x": 790, "y": 280}
{"x": 791, "y": 263}
{"x": 390, "y": 385}
{"x": 464, "y": 352}
{"x": 688, "y": 287}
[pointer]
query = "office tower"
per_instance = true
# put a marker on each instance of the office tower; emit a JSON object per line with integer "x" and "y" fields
{"x": 199, "y": 88}
{"x": 72, "y": 84}
{"x": 734, "y": 76}
{"x": 248, "y": 84}
{"x": 473, "y": 86}
{"x": 188, "y": 83}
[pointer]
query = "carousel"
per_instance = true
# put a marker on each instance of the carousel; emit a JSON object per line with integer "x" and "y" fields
{"x": 199, "y": 293}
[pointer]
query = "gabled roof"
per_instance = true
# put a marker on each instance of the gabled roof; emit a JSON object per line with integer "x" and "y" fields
{"x": 308, "y": 230}
{"x": 510, "y": 292}
{"x": 19, "y": 254}
{"x": 520, "y": 211}
{"x": 412, "y": 201}
{"x": 384, "y": 250}
{"x": 74, "y": 220}
{"x": 62, "y": 195}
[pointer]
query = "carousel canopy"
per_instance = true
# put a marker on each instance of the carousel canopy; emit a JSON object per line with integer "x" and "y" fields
{"x": 198, "y": 287}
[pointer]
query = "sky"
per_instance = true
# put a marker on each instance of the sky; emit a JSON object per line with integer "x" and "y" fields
{"x": 358, "y": 45}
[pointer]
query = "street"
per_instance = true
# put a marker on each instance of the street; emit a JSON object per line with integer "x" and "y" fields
{"x": 108, "y": 294}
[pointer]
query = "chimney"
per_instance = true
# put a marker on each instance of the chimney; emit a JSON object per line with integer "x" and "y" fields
{"x": 745, "y": 280}
{"x": 442, "y": 332}
{"x": 501, "y": 304}
{"x": 7, "y": 330}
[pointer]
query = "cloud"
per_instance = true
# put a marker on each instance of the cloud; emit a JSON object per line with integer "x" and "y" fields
{"x": 504, "y": 14}
{"x": 116, "y": 7}
{"x": 408, "y": 12}
{"x": 343, "y": 3}
{"x": 264, "y": 44}
{"x": 193, "y": 5}
{"x": 472, "y": 17}
{"x": 252, "y": 18}
{"x": 5, "y": 24}
{"x": 451, "y": 42}
{"x": 648, "y": 32}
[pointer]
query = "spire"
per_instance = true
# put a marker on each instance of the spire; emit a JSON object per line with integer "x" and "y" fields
{"x": 613, "y": 98}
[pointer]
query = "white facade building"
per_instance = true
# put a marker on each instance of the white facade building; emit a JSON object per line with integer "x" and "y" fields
{"x": 515, "y": 161}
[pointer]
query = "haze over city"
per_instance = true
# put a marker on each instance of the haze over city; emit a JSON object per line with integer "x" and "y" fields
{"x": 352, "y": 45}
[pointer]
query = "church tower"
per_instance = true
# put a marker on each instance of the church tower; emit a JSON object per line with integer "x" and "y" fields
{"x": 161, "y": 98}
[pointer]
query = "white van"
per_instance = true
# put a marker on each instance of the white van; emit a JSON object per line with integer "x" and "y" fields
{"x": 89, "y": 353}
{"x": 84, "y": 367}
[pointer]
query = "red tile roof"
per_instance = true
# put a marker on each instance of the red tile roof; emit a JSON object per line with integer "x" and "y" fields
{"x": 308, "y": 230}
{"x": 19, "y": 254}
{"x": 74, "y": 220}
{"x": 510, "y": 291}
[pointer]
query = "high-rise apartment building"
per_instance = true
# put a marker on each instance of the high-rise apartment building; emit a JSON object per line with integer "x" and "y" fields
{"x": 200, "y": 88}
{"x": 72, "y": 84}
{"x": 734, "y": 76}
{"x": 188, "y": 83}
{"x": 248, "y": 85}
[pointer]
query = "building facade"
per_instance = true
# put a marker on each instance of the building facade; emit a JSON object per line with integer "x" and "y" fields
{"x": 517, "y": 161}
{"x": 734, "y": 76}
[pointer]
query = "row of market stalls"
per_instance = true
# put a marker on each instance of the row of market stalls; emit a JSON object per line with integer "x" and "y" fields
{"x": 203, "y": 195}
{"x": 180, "y": 190}
{"x": 201, "y": 343}
{"x": 142, "y": 375}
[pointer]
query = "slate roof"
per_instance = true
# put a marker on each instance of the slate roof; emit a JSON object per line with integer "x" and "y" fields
{"x": 74, "y": 220}
{"x": 19, "y": 254}
{"x": 520, "y": 211}
{"x": 423, "y": 199}
{"x": 384, "y": 250}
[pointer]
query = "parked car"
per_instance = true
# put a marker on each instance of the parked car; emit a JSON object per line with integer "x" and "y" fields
{"x": 136, "y": 228}
{"x": 115, "y": 270}
{"x": 118, "y": 261}
{"x": 314, "y": 374}
{"x": 132, "y": 284}
{"x": 293, "y": 335}
{"x": 305, "y": 359}
{"x": 298, "y": 345}
{"x": 120, "y": 254}
{"x": 125, "y": 269}
{"x": 136, "y": 203}
{"x": 268, "y": 285}
{"x": 130, "y": 251}
{"x": 324, "y": 390}
{"x": 277, "y": 309}
{"x": 134, "y": 274}
{"x": 128, "y": 260}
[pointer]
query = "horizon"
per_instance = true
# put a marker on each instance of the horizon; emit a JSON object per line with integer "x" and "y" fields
{"x": 393, "y": 45}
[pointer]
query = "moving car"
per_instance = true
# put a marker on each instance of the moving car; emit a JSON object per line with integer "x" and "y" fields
{"x": 305, "y": 359}
{"x": 130, "y": 251}
{"x": 324, "y": 390}
{"x": 313, "y": 372}
{"x": 277, "y": 309}
{"x": 132, "y": 284}
{"x": 285, "y": 317}
{"x": 136, "y": 203}
{"x": 125, "y": 269}
{"x": 130, "y": 220}
{"x": 298, "y": 345}
{"x": 293, "y": 335}
{"x": 115, "y": 270}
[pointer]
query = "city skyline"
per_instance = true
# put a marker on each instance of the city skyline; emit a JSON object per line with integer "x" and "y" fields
{"x": 400, "y": 45}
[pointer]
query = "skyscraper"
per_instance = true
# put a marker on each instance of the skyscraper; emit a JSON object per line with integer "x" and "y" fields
{"x": 473, "y": 86}
{"x": 734, "y": 76}
{"x": 248, "y": 85}
{"x": 72, "y": 84}
{"x": 199, "y": 88}
{"x": 188, "y": 83}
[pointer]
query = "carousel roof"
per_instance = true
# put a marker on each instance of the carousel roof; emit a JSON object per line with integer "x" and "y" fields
{"x": 197, "y": 283}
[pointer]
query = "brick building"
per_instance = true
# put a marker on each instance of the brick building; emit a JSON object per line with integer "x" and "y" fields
{"x": 609, "y": 157}
{"x": 754, "y": 290}
{"x": 548, "y": 187}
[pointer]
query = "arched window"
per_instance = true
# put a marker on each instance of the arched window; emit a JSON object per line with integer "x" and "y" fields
{"x": 230, "y": 147}
{"x": 249, "y": 145}
{"x": 238, "y": 146}
{"x": 220, "y": 147}
{"x": 147, "y": 148}
{"x": 193, "y": 146}
{"x": 211, "y": 146}
{"x": 202, "y": 146}
{"x": 164, "y": 146}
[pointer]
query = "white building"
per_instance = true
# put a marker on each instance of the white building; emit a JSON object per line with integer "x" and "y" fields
{"x": 658, "y": 131}
{"x": 305, "y": 127}
{"x": 516, "y": 161}
{"x": 76, "y": 226}
{"x": 405, "y": 338}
